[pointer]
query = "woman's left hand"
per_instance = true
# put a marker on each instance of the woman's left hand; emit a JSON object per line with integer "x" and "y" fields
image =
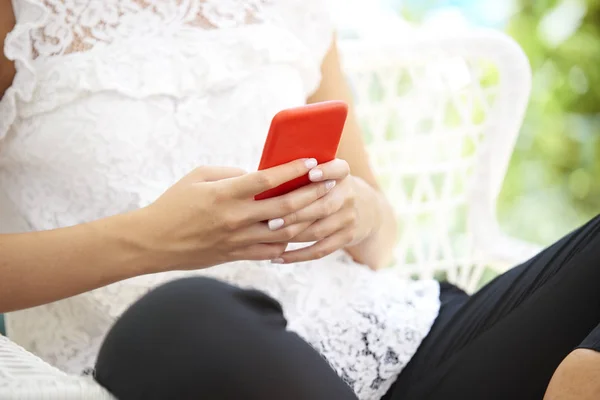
{"x": 344, "y": 217}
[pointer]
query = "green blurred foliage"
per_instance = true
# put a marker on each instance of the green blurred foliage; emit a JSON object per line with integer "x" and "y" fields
{"x": 553, "y": 182}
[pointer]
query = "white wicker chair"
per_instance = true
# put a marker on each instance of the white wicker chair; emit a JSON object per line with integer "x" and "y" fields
{"x": 441, "y": 115}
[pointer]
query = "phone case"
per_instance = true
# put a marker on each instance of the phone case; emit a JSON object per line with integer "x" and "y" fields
{"x": 311, "y": 131}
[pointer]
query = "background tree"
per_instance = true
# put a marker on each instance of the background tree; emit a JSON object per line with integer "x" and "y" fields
{"x": 553, "y": 182}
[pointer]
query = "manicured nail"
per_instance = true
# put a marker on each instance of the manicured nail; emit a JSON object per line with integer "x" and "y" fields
{"x": 310, "y": 163}
{"x": 275, "y": 224}
{"x": 278, "y": 261}
{"x": 329, "y": 185}
{"x": 315, "y": 174}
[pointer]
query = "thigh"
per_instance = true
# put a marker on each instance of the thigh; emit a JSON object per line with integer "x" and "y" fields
{"x": 200, "y": 338}
{"x": 507, "y": 340}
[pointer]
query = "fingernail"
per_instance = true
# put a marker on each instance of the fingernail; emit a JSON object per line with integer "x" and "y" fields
{"x": 275, "y": 224}
{"x": 315, "y": 174}
{"x": 329, "y": 185}
{"x": 310, "y": 163}
{"x": 278, "y": 261}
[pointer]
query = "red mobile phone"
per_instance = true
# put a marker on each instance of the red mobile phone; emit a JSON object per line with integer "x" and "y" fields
{"x": 311, "y": 131}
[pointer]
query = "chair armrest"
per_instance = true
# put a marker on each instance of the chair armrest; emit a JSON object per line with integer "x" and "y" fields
{"x": 24, "y": 376}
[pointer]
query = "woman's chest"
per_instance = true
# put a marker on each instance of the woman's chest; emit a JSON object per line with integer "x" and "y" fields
{"x": 109, "y": 130}
{"x": 109, "y": 153}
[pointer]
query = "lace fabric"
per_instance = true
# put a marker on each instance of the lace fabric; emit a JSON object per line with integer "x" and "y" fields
{"x": 79, "y": 26}
{"x": 250, "y": 34}
{"x": 115, "y": 100}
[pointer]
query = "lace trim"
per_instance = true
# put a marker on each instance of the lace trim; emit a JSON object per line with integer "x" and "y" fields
{"x": 17, "y": 47}
{"x": 78, "y": 26}
{"x": 178, "y": 63}
{"x": 188, "y": 62}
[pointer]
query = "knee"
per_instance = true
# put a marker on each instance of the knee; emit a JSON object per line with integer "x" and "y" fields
{"x": 193, "y": 308}
{"x": 204, "y": 301}
{"x": 194, "y": 324}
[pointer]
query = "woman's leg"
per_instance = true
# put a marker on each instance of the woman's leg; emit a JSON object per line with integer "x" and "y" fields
{"x": 507, "y": 341}
{"x": 198, "y": 338}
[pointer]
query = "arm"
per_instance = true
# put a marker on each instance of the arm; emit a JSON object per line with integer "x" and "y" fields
{"x": 195, "y": 224}
{"x": 41, "y": 267}
{"x": 7, "y": 22}
{"x": 376, "y": 250}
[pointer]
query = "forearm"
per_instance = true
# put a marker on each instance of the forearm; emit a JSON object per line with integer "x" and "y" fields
{"x": 376, "y": 250}
{"x": 41, "y": 267}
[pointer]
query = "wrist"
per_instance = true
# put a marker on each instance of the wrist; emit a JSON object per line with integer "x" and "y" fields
{"x": 371, "y": 205}
{"x": 378, "y": 224}
{"x": 130, "y": 237}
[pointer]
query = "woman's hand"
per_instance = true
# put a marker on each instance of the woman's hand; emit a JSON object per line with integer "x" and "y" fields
{"x": 210, "y": 216}
{"x": 344, "y": 217}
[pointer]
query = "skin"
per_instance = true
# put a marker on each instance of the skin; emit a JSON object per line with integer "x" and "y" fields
{"x": 360, "y": 219}
{"x": 162, "y": 237}
{"x": 577, "y": 377}
{"x": 353, "y": 215}
{"x": 77, "y": 259}
{"x": 7, "y": 22}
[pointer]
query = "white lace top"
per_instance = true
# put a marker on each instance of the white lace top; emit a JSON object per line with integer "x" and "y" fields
{"x": 115, "y": 100}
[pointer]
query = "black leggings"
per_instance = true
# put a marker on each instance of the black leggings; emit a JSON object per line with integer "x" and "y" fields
{"x": 201, "y": 339}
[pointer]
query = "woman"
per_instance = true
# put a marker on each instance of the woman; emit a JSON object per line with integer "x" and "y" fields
{"x": 112, "y": 102}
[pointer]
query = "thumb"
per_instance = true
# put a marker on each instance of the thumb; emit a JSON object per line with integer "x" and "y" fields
{"x": 212, "y": 174}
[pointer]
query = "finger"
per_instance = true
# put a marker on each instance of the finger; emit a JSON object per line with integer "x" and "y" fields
{"x": 212, "y": 174}
{"x": 336, "y": 169}
{"x": 318, "y": 250}
{"x": 319, "y": 209}
{"x": 324, "y": 228}
{"x": 275, "y": 208}
{"x": 260, "y": 181}
{"x": 258, "y": 252}
{"x": 260, "y": 233}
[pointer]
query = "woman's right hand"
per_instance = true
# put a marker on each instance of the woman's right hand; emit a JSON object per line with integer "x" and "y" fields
{"x": 210, "y": 216}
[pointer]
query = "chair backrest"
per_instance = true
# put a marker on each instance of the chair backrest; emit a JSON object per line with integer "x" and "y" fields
{"x": 441, "y": 116}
